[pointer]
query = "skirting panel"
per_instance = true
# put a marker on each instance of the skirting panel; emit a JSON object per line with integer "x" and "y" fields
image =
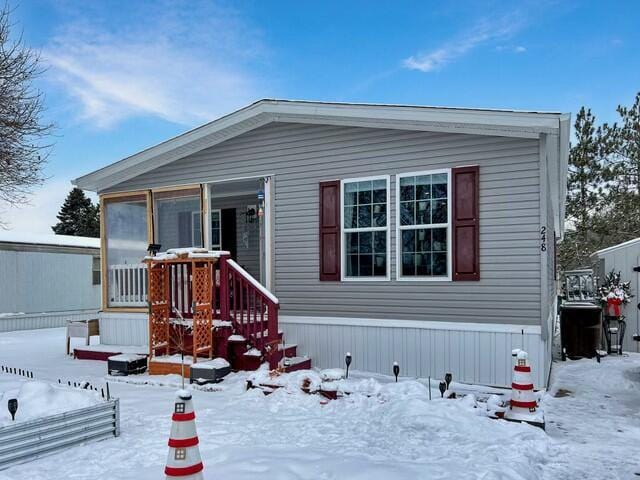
{"x": 481, "y": 356}
{"x": 33, "y": 321}
{"x": 124, "y": 328}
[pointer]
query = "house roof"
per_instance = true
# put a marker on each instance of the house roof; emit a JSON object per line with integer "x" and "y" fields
{"x": 528, "y": 124}
{"x": 620, "y": 246}
{"x": 48, "y": 240}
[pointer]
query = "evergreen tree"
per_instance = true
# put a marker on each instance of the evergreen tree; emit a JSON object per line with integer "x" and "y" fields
{"x": 622, "y": 194}
{"x": 584, "y": 192}
{"x": 78, "y": 216}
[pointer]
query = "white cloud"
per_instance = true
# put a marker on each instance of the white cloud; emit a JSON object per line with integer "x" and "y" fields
{"x": 519, "y": 49}
{"x": 483, "y": 32}
{"x": 186, "y": 70}
{"x": 39, "y": 215}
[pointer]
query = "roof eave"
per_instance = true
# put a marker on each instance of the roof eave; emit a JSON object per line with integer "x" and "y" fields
{"x": 482, "y": 122}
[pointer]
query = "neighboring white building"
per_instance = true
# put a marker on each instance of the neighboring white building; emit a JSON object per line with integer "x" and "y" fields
{"x": 623, "y": 258}
{"x": 46, "y": 280}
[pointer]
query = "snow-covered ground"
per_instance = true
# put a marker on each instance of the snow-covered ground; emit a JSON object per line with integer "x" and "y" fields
{"x": 593, "y": 427}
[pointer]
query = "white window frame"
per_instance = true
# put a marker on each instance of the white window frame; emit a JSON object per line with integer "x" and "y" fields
{"x": 399, "y": 228}
{"x": 219, "y": 245}
{"x": 387, "y": 229}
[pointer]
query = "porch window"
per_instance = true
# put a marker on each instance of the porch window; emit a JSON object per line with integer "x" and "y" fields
{"x": 216, "y": 229}
{"x": 177, "y": 218}
{"x": 423, "y": 222}
{"x": 365, "y": 228}
{"x": 126, "y": 240}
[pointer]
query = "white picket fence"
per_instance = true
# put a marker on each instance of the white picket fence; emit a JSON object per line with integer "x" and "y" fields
{"x": 128, "y": 284}
{"x": 25, "y": 441}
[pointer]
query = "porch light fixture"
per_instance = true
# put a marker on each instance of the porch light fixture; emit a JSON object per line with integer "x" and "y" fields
{"x": 347, "y": 360}
{"x": 447, "y": 378}
{"x": 250, "y": 214}
{"x": 442, "y": 386}
{"x": 396, "y": 370}
{"x": 12, "y": 405}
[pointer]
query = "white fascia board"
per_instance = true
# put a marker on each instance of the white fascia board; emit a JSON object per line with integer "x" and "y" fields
{"x": 482, "y": 122}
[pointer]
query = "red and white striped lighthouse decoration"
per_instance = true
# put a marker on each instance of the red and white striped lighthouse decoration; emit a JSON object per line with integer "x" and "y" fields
{"x": 523, "y": 403}
{"x": 184, "y": 460}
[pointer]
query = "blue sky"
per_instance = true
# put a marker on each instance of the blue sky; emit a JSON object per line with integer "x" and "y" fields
{"x": 121, "y": 76}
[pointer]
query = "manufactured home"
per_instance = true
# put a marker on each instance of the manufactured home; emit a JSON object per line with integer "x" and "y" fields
{"x": 47, "y": 280}
{"x": 422, "y": 235}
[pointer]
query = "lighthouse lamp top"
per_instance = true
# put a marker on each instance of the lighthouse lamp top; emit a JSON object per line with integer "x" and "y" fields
{"x": 183, "y": 395}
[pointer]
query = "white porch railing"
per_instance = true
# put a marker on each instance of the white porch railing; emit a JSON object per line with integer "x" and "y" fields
{"x": 127, "y": 285}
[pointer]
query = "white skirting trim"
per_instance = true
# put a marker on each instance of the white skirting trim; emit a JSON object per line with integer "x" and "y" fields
{"x": 421, "y": 324}
{"x": 33, "y": 321}
{"x": 124, "y": 328}
{"x": 473, "y": 353}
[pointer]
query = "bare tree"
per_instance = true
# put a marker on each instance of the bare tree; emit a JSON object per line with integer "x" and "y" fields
{"x": 23, "y": 145}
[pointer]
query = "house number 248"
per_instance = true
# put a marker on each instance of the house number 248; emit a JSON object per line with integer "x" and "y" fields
{"x": 543, "y": 239}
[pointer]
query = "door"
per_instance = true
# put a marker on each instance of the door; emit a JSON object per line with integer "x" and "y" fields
{"x": 228, "y": 233}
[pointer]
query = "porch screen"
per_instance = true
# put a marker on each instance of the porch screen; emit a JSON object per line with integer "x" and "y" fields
{"x": 125, "y": 222}
{"x": 177, "y": 218}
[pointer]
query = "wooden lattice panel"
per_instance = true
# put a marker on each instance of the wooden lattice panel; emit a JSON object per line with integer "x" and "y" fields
{"x": 202, "y": 317}
{"x": 159, "y": 309}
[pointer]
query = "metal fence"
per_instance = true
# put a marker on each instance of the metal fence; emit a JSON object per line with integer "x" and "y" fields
{"x": 26, "y": 441}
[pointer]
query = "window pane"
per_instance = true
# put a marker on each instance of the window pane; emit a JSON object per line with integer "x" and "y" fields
{"x": 352, "y": 242}
{"x": 423, "y": 240}
{"x": 380, "y": 215}
{"x": 423, "y": 264}
{"x": 379, "y": 191}
{"x": 380, "y": 242}
{"x": 423, "y": 187}
{"x": 439, "y": 264}
{"x": 350, "y": 218}
{"x": 423, "y": 212}
{"x": 364, "y": 192}
{"x": 407, "y": 213}
{"x": 407, "y": 189}
{"x": 439, "y": 185}
{"x": 366, "y": 242}
{"x": 408, "y": 241}
{"x": 366, "y": 265}
{"x": 380, "y": 265}
{"x": 439, "y": 214}
{"x": 175, "y": 227}
{"x": 408, "y": 265}
{"x": 350, "y": 193}
{"x": 352, "y": 265}
{"x": 439, "y": 240}
{"x": 364, "y": 216}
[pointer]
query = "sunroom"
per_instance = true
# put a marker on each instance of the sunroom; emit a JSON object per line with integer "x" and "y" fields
{"x": 230, "y": 215}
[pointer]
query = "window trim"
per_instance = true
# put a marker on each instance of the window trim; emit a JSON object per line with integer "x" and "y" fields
{"x": 343, "y": 253}
{"x": 219, "y": 245}
{"x": 399, "y": 228}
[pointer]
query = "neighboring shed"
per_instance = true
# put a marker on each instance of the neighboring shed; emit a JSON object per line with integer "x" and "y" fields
{"x": 47, "y": 280}
{"x": 623, "y": 258}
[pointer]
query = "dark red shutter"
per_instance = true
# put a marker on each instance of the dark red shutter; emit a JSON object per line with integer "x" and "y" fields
{"x": 466, "y": 223}
{"x": 330, "y": 231}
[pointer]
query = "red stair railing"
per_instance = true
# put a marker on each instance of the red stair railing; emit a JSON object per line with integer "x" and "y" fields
{"x": 252, "y": 308}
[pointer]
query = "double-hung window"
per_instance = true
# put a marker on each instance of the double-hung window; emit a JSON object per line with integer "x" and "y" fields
{"x": 365, "y": 228}
{"x": 423, "y": 225}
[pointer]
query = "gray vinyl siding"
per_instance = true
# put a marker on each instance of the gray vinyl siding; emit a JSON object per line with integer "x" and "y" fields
{"x": 33, "y": 282}
{"x": 301, "y": 155}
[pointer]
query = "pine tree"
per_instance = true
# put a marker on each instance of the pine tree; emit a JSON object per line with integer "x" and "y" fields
{"x": 622, "y": 173}
{"x": 78, "y": 216}
{"x": 584, "y": 192}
